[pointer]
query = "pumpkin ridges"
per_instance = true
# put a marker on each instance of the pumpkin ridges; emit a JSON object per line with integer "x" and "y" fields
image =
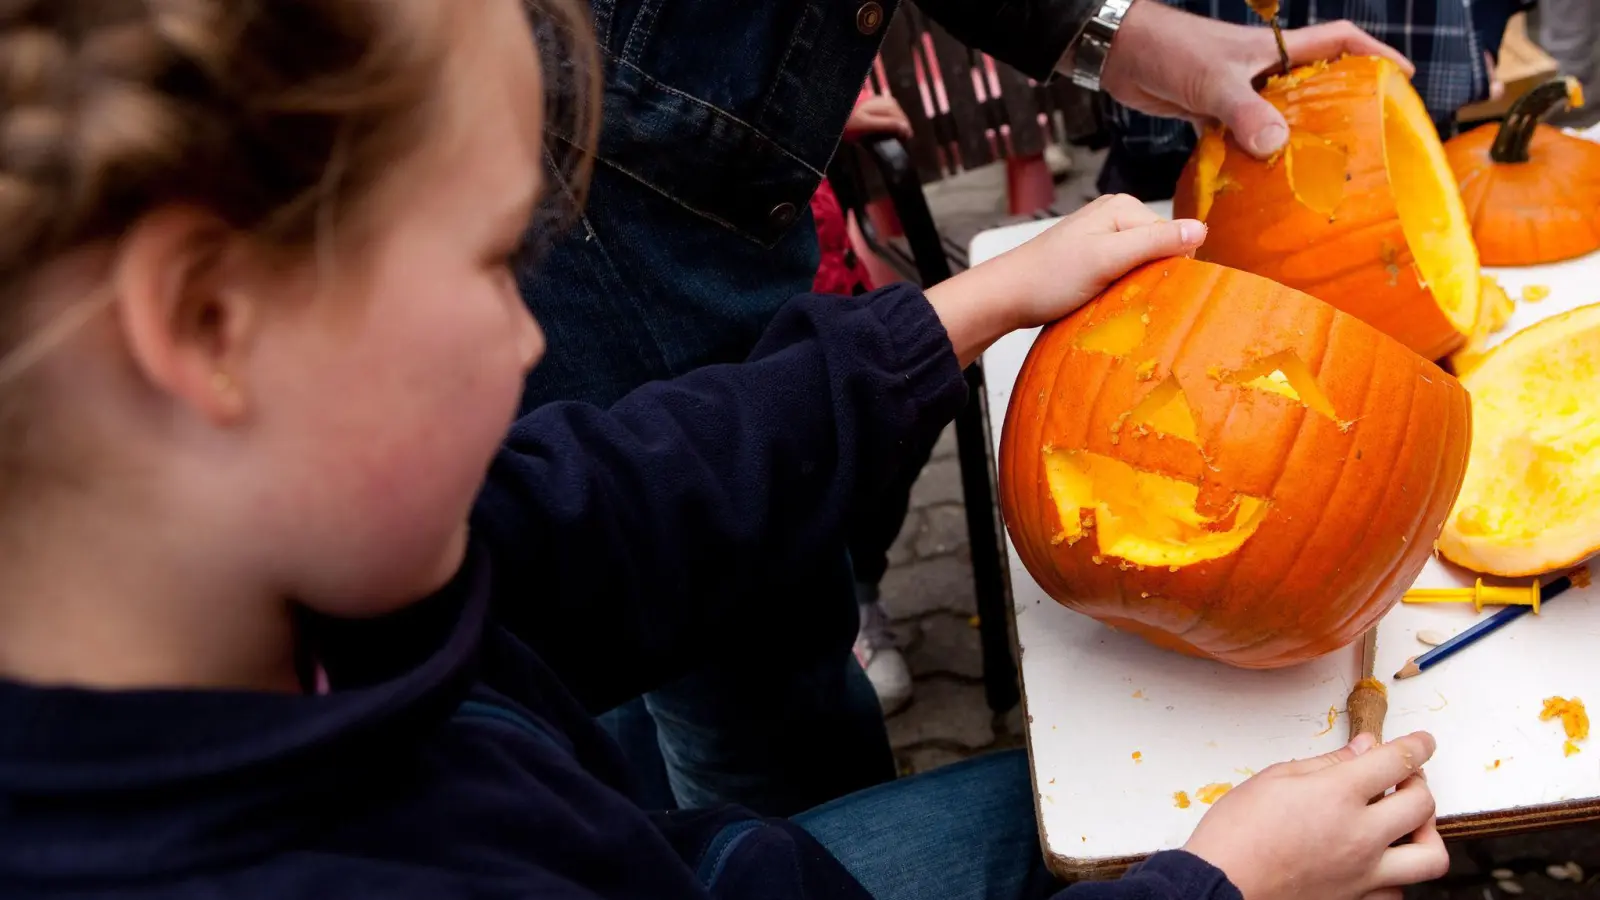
{"x": 1189, "y": 615}
{"x": 1261, "y": 227}
{"x": 1394, "y": 477}
{"x": 1029, "y": 440}
{"x": 1189, "y": 610}
{"x": 1543, "y": 210}
{"x": 1289, "y": 449}
{"x": 1294, "y": 568}
{"x": 1216, "y": 573}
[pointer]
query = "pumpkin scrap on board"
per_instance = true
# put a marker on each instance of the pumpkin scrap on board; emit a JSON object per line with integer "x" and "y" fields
{"x": 1360, "y": 210}
{"x": 1494, "y": 313}
{"x": 1532, "y": 191}
{"x": 1531, "y": 499}
{"x": 1227, "y": 467}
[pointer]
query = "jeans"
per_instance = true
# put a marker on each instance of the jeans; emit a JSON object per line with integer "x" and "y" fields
{"x": 963, "y": 832}
{"x": 773, "y": 728}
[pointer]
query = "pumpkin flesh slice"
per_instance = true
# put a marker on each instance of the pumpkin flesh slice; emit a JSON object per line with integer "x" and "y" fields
{"x": 1428, "y": 203}
{"x": 1145, "y": 518}
{"x": 1530, "y": 502}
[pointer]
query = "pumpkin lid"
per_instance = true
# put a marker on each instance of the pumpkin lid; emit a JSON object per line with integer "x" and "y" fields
{"x": 1530, "y": 502}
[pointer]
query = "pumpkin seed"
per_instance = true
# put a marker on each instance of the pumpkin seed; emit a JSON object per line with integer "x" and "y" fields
{"x": 1432, "y": 638}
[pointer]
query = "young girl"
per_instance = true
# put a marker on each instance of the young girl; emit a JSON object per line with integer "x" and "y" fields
{"x": 260, "y": 348}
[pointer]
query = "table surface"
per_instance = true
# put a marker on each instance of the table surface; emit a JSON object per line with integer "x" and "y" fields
{"x": 1116, "y": 727}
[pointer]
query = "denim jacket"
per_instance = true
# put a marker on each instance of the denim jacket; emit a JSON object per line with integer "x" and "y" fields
{"x": 719, "y": 121}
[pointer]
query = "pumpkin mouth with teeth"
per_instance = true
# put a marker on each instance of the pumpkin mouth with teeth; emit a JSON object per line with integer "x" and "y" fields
{"x": 1361, "y": 209}
{"x": 1227, "y": 467}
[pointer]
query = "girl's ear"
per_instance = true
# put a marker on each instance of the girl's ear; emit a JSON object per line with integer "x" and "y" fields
{"x": 185, "y": 312}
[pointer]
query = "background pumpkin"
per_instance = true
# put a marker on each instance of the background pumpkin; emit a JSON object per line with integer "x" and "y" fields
{"x": 1227, "y": 467}
{"x": 1360, "y": 211}
{"x": 1532, "y": 192}
{"x": 1531, "y": 500}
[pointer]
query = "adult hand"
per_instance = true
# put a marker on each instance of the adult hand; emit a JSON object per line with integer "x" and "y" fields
{"x": 1166, "y": 62}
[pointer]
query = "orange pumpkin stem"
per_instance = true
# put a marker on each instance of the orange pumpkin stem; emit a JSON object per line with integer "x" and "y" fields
{"x": 1516, "y": 132}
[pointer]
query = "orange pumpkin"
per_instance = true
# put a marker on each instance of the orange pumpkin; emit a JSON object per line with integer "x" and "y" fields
{"x": 1360, "y": 210}
{"x": 1228, "y": 467}
{"x": 1532, "y": 192}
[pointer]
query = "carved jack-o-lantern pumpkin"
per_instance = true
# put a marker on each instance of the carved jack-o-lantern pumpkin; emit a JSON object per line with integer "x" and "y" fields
{"x": 1228, "y": 467}
{"x": 1360, "y": 210}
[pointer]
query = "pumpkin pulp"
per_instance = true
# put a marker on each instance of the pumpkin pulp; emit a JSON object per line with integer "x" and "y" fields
{"x": 1530, "y": 502}
{"x": 1426, "y": 198}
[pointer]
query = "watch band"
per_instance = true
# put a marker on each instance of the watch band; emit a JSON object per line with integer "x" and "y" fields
{"x": 1085, "y": 58}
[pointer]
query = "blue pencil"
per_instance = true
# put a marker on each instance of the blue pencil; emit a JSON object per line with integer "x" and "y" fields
{"x": 1416, "y": 665}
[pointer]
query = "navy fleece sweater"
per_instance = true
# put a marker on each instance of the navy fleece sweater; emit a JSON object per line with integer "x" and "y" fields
{"x": 455, "y": 756}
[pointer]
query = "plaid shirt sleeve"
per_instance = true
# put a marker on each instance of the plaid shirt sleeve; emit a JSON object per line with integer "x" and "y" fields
{"x": 1438, "y": 37}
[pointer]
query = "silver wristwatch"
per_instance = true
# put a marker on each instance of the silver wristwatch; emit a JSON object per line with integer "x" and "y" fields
{"x": 1085, "y": 58}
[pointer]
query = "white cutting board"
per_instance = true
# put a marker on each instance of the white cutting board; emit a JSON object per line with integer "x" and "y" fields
{"x": 1094, "y": 697}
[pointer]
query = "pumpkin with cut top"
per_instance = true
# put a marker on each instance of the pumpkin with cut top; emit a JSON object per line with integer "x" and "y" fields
{"x": 1532, "y": 190}
{"x": 1360, "y": 208}
{"x": 1227, "y": 467}
{"x": 1531, "y": 500}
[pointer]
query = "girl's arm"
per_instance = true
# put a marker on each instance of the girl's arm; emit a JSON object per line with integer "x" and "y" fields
{"x": 629, "y": 543}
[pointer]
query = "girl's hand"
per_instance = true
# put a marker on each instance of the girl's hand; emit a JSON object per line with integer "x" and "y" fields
{"x": 1308, "y": 829}
{"x": 877, "y": 115}
{"x": 1057, "y": 272}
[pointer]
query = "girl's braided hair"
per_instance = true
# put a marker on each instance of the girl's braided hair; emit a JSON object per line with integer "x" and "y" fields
{"x": 259, "y": 111}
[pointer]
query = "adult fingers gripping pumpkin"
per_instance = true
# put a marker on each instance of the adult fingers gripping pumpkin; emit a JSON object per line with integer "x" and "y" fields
{"x": 1166, "y": 62}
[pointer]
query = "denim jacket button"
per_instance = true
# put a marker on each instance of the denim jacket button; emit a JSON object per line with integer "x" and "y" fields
{"x": 783, "y": 215}
{"x": 869, "y": 18}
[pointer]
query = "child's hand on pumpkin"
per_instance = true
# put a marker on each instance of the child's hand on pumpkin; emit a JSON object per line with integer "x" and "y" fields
{"x": 1058, "y": 271}
{"x": 1307, "y": 828}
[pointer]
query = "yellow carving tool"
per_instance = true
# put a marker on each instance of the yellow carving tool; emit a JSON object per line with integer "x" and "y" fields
{"x": 1479, "y": 595}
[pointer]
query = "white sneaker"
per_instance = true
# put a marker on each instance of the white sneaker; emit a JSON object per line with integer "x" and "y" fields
{"x": 885, "y": 666}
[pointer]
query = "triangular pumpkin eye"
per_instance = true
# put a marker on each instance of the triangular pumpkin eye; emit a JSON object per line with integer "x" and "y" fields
{"x": 1286, "y": 375}
{"x": 1119, "y": 334}
{"x": 1166, "y": 410}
